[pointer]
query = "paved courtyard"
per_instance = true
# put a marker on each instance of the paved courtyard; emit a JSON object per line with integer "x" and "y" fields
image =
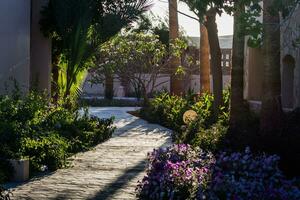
{"x": 110, "y": 170}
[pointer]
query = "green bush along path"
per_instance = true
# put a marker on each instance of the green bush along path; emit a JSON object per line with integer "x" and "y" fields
{"x": 109, "y": 171}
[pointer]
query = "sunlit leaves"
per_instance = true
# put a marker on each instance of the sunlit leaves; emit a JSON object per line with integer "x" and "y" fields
{"x": 78, "y": 27}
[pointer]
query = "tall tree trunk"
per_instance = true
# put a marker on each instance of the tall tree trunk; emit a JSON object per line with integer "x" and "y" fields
{"x": 237, "y": 106}
{"x": 204, "y": 61}
{"x": 176, "y": 86}
{"x": 109, "y": 86}
{"x": 216, "y": 58}
{"x": 271, "y": 111}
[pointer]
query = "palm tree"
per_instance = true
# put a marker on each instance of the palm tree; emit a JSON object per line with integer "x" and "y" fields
{"x": 176, "y": 86}
{"x": 271, "y": 111}
{"x": 237, "y": 106}
{"x": 204, "y": 60}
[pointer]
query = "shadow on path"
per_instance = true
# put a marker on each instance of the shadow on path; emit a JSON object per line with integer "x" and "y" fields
{"x": 110, "y": 189}
{"x": 109, "y": 171}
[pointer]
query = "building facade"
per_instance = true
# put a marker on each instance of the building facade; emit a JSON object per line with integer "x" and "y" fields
{"x": 290, "y": 66}
{"x": 25, "y": 54}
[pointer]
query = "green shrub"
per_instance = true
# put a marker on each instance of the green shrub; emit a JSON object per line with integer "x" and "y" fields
{"x": 50, "y": 151}
{"x": 211, "y": 139}
{"x": 94, "y": 131}
{"x": 32, "y": 127}
{"x": 166, "y": 110}
{"x": 204, "y": 108}
{"x": 206, "y": 131}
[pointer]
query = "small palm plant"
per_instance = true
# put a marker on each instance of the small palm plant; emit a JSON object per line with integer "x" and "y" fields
{"x": 77, "y": 29}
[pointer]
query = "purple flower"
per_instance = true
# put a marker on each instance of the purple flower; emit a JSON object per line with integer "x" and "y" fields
{"x": 181, "y": 172}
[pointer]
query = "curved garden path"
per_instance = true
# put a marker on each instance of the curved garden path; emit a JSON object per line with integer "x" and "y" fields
{"x": 109, "y": 171}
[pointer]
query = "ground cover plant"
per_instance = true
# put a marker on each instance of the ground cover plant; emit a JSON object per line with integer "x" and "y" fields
{"x": 47, "y": 134}
{"x": 231, "y": 172}
{"x": 183, "y": 172}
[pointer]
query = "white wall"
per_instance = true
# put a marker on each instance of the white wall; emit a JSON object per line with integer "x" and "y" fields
{"x": 162, "y": 82}
{"x": 14, "y": 42}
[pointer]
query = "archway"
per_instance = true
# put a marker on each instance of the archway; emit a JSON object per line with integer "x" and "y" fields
{"x": 288, "y": 82}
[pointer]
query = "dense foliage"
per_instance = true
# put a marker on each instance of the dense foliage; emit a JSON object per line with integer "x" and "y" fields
{"x": 78, "y": 27}
{"x": 47, "y": 134}
{"x": 206, "y": 131}
{"x": 5, "y": 170}
{"x": 181, "y": 172}
{"x": 211, "y": 133}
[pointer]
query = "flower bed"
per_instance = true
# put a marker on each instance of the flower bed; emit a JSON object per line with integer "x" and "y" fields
{"x": 181, "y": 172}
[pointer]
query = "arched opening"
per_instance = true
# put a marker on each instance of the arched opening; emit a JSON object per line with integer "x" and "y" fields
{"x": 288, "y": 82}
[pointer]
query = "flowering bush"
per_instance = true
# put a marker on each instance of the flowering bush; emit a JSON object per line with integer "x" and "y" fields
{"x": 240, "y": 176}
{"x": 175, "y": 173}
{"x": 180, "y": 172}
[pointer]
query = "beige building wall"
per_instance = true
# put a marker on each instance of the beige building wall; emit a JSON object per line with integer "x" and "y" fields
{"x": 290, "y": 66}
{"x": 162, "y": 84}
{"x": 25, "y": 54}
{"x": 40, "y": 62}
{"x": 14, "y": 43}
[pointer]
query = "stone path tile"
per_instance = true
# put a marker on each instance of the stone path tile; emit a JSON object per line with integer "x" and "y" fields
{"x": 109, "y": 171}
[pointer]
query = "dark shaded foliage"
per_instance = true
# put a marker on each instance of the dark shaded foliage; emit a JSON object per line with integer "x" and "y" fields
{"x": 47, "y": 134}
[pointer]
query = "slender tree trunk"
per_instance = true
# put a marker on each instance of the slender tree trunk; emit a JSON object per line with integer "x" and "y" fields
{"x": 109, "y": 86}
{"x": 271, "y": 111}
{"x": 216, "y": 57}
{"x": 204, "y": 61}
{"x": 237, "y": 106}
{"x": 54, "y": 84}
{"x": 145, "y": 96}
{"x": 176, "y": 86}
{"x": 55, "y": 77}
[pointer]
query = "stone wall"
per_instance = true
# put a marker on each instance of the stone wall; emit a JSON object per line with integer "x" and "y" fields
{"x": 290, "y": 57}
{"x": 290, "y": 66}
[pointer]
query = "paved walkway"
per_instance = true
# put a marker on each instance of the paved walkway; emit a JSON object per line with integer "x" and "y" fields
{"x": 109, "y": 171}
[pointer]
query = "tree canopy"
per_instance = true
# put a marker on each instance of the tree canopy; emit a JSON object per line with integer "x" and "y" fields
{"x": 136, "y": 57}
